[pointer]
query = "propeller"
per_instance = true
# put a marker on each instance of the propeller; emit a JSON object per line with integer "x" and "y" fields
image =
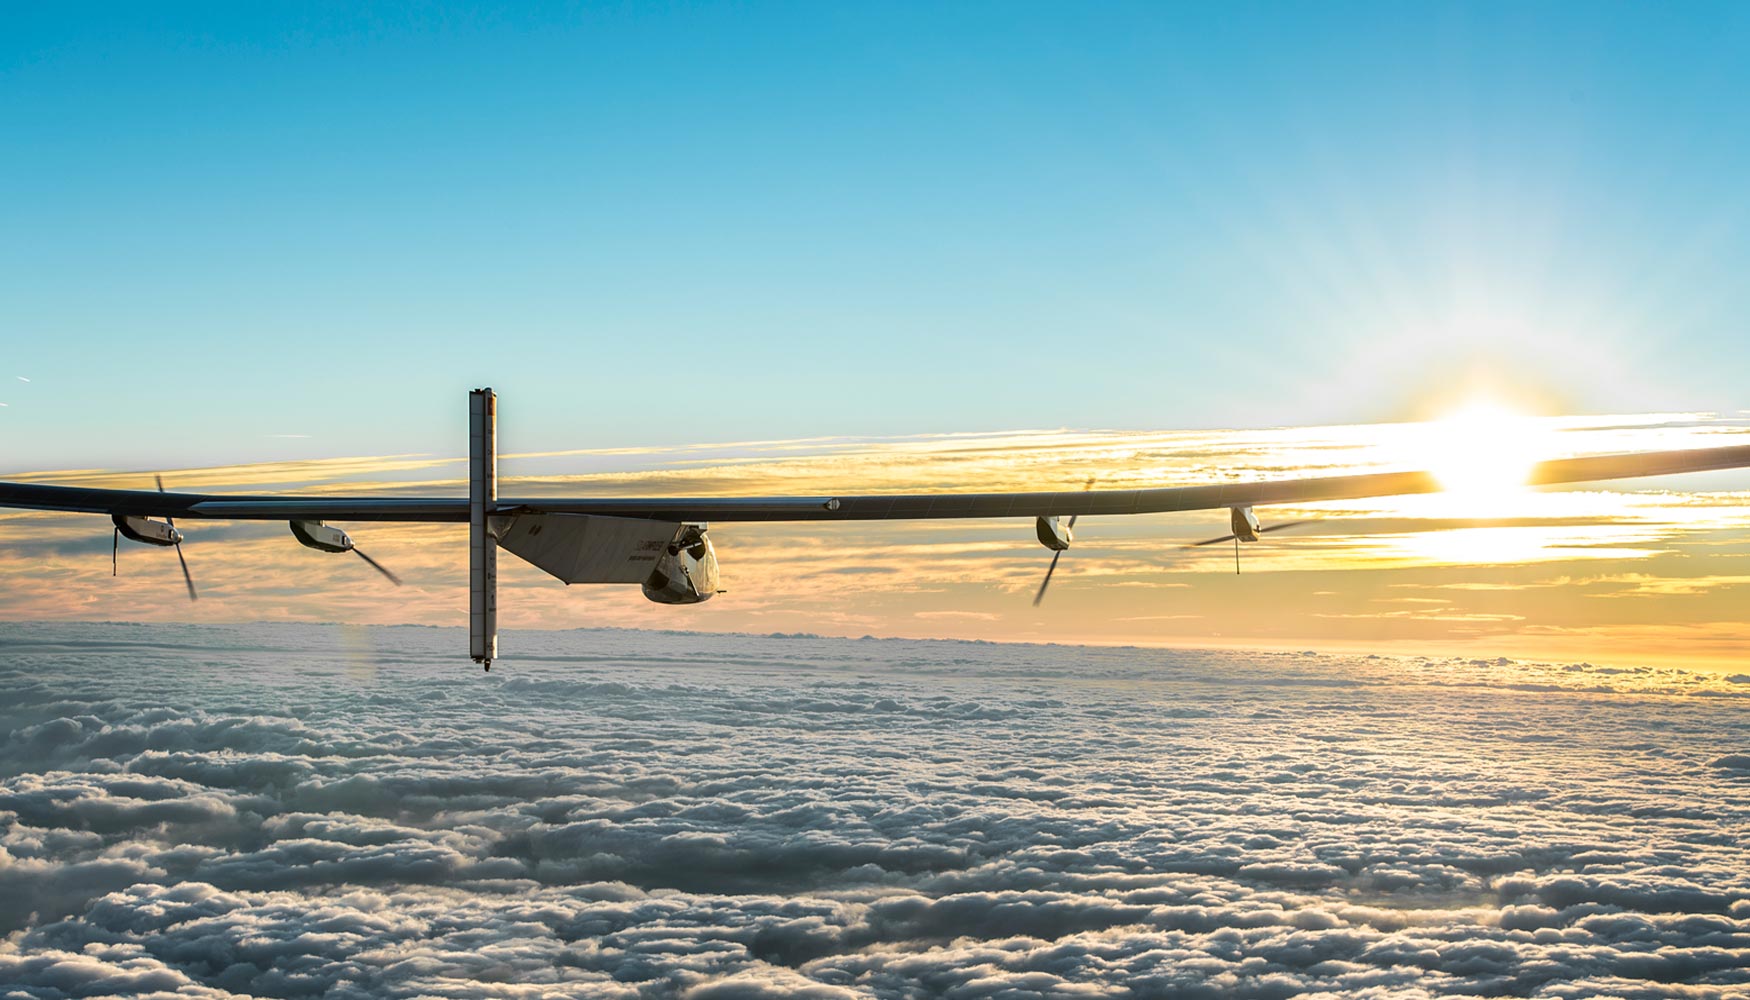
{"x": 328, "y": 538}
{"x": 379, "y": 567}
{"x": 1055, "y": 556}
{"x": 1236, "y": 539}
{"x": 1050, "y": 570}
{"x": 187, "y": 577}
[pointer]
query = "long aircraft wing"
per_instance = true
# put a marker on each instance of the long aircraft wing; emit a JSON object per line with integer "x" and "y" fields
{"x": 144, "y": 503}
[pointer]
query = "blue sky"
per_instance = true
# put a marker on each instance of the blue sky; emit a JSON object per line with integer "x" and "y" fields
{"x": 668, "y": 224}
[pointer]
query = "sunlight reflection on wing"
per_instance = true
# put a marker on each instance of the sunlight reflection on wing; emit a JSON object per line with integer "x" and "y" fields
{"x": 1484, "y": 453}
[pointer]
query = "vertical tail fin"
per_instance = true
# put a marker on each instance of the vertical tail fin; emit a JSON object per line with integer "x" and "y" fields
{"x": 482, "y": 549}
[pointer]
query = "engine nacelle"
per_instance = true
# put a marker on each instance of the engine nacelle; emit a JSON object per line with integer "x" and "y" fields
{"x": 1053, "y": 533}
{"x": 321, "y": 537}
{"x": 144, "y": 529}
{"x": 686, "y": 572}
{"x": 1245, "y": 524}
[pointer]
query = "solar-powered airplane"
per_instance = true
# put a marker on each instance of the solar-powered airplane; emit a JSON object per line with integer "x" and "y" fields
{"x": 661, "y": 543}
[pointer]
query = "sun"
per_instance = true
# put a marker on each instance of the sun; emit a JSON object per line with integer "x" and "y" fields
{"x": 1483, "y": 449}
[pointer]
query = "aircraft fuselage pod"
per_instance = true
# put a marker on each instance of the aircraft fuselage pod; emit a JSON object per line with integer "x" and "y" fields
{"x": 686, "y": 572}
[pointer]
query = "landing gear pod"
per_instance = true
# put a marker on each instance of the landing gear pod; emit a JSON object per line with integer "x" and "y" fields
{"x": 686, "y": 572}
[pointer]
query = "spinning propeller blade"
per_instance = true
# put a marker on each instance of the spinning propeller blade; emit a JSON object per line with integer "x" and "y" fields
{"x": 378, "y": 567}
{"x": 187, "y": 577}
{"x": 1040, "y": 596}
{"x": 1236, "y": 539}
{"x": 1047, "y": 581}
{"x": 1229, "y": 538}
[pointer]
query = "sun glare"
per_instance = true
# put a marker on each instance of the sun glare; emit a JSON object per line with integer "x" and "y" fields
{"x": 1483, "y": 449}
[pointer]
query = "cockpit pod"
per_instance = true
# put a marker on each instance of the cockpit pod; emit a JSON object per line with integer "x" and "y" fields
{"x": 686, "y": 573}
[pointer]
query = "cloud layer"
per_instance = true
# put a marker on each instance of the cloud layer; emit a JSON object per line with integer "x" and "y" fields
{"x": 294, "y": 811}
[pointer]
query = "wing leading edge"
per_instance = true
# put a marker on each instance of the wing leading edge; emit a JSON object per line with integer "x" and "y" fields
{"x": 924, "y": 506}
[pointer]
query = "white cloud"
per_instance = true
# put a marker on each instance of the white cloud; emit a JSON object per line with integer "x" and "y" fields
{"x": 239, "y": 810}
